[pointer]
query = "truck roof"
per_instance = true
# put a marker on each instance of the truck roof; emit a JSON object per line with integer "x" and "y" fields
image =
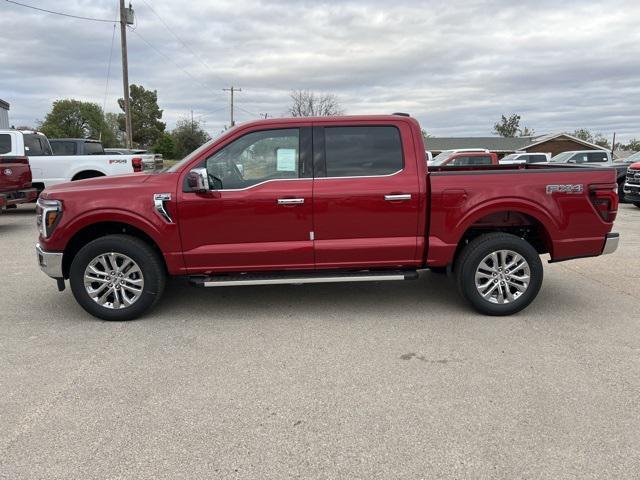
{"x": 329, "y": 119}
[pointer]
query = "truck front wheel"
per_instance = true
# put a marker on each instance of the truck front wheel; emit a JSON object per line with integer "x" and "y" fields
{"x": 117, "y": 277}
{"x": 499, "y": 273}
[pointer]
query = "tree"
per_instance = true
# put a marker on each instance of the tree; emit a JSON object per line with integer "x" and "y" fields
{"x": 601, "y": 140}
{"x": 309, "y": 104}
{"x": 145, "y": 116}
{"x": 507, "y": 127}
{"x": 165, "y": 146}
{"x": 633, "y": 145}
{"x": 187, "y": 136}
{"x": 425, "y": 134}
{"x": 112, "y": 136}
{"x": 583, "y": 134}
{"x": 510, "y": 127}
{"x": 73, "y": 119}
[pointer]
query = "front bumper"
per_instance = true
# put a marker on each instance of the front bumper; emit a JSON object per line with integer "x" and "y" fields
{"x": 50, "y": 262}
{"x": 611, "y": 243}
{"x": 631, "y": 192}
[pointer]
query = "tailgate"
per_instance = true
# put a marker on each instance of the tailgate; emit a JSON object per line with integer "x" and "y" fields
{"x": 15, "y": 174}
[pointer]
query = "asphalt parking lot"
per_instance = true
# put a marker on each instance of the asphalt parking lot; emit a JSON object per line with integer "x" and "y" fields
{"x": 382, "y": 380}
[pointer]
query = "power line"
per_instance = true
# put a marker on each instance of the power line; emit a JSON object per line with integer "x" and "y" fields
{"x": 60, "y": 13}
{"x": 177, "y": 37}
{"x": 166, "y": 57}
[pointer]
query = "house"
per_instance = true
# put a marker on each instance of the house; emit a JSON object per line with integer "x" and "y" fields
{"x": 4, "y": 114}
{"x": 553, "y": 143}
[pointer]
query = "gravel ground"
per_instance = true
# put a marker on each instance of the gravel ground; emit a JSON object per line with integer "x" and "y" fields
{"x": 381, "y": 380}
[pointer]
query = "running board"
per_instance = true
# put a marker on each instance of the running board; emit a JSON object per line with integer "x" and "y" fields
{"x": 298, "y": 278}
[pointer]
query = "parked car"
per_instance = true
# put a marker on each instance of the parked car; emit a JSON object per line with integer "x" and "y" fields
{"x": 442, "y": 156}
{"x": 595, "y": 158}
{"x": 15, "y": 176}
{"x": 467, "y": 159}
{"x": 49, "y": 169}
{"x": 632, "y": 184}
{"x": 629, "y": 160}
{"x": 525, "y": 157}
{"x": 331, "y": 199}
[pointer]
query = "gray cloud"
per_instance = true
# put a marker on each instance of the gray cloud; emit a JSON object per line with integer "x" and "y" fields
{"x": 455, "y": 65}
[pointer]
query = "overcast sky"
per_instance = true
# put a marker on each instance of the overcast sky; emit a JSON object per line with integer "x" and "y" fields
{"x": 454, "y": 65}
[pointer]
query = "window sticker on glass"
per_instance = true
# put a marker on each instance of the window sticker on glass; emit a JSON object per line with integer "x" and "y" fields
{"x": 286, "y": 159}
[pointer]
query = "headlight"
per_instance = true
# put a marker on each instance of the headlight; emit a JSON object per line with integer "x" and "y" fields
{"x": 48, "y": 214}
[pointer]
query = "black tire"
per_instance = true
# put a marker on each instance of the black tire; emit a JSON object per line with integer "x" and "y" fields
{"x": 148, "y": 260}
{"x": 637, "y": 204}
{"x": 621, "y": 196}
{"x": 474, "y": 253}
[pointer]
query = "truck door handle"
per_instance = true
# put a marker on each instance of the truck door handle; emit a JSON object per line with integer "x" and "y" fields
{"x": 398, "y": 197}
{"x": 290, "y": 201}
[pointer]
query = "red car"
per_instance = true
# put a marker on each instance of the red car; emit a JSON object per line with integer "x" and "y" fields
{"x": 15, "y": 182}
{"x": 310, "y": 200}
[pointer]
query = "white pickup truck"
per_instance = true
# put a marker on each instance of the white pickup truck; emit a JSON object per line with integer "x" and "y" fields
{"x": 48, "y": 169}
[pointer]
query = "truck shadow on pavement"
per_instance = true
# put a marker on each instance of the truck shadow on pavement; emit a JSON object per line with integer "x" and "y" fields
{"x": 433, "y": 293}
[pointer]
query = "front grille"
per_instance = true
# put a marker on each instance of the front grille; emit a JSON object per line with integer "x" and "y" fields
{"x": 633, "y": 176}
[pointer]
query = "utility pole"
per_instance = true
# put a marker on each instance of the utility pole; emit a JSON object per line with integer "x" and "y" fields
{"x": 125, "y": 70}
{"x": 232, "y": 89}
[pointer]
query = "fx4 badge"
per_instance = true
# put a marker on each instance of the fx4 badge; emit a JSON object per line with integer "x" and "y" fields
{"x": 569, "y": 188}
{"x": 112, "y": 161}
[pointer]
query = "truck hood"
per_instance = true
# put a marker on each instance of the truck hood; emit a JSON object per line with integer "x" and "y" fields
{"x": 98, "y": 184}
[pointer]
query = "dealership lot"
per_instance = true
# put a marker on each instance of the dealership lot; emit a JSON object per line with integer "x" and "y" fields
{"x": 381, "y": 380}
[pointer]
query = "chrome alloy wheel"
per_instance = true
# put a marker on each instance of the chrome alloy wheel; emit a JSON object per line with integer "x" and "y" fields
{"x": 113, "y": 280}
{"x": 502, "y": 276}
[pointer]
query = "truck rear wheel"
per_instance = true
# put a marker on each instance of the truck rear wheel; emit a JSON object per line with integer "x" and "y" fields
{"x": 117, "y": 277}
{"x": 499, "y": 273}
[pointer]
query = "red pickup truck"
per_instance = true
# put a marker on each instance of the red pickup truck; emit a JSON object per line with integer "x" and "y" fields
{"x": 15, "y": 182}
{"x": 311, "y": 200}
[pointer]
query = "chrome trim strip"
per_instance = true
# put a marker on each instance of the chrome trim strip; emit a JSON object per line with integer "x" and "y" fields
{"x": 49, "y": 262}
{"x": 611, "y": 243}
{"x": 284, "y": 281}
{"x": 306, "y": 178}
{"x": 158, "y": 201}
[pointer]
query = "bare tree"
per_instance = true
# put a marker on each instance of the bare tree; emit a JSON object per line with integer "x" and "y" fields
{"x": 309, "y": 104}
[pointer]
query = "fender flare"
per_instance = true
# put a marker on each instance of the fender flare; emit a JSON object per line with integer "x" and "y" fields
{"x": 510, "y": 204}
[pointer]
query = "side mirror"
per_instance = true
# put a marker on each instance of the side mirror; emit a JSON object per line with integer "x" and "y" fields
{"x": 198, "y": 180}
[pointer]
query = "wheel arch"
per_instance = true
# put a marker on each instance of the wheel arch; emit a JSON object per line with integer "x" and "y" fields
{"x": 92, "y": 231}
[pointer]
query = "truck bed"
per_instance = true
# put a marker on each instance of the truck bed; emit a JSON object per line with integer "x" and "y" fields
{"x": 557, "y": 197}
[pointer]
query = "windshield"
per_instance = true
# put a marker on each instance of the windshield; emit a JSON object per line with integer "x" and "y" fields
{"x": 562, "y": 157}
{"x": 513, "y": 156}
{"x": 440, "y": 159}
{"x": 197, "y": 151}
{"x": 632, "y": 159}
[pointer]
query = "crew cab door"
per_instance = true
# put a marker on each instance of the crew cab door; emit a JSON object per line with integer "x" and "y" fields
{"x": 258, "y": 213}
{"x": 365, "y": 195}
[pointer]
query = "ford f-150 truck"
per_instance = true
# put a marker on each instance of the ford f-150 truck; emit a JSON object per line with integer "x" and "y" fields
{"x": 632, "y": 184}
{"x": 49, "y": 168}
{"x": 15, "y": 177}
{"x": 332, "y": 199}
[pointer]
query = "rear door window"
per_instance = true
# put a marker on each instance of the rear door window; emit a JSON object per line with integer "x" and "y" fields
{"x": 5, "y": 143}
{"x": 93, "y": 148}
{"x": 363, "y": 151}
{"x": 36, "y": 145}
{"x": 597, "y": 157}
{"x": 63, "y": 148}
{"x": 537, "y": 158}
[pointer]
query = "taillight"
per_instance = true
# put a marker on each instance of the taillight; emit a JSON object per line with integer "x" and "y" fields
{"x": 604, "y": 198}
{"x": 136, "y": 163}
